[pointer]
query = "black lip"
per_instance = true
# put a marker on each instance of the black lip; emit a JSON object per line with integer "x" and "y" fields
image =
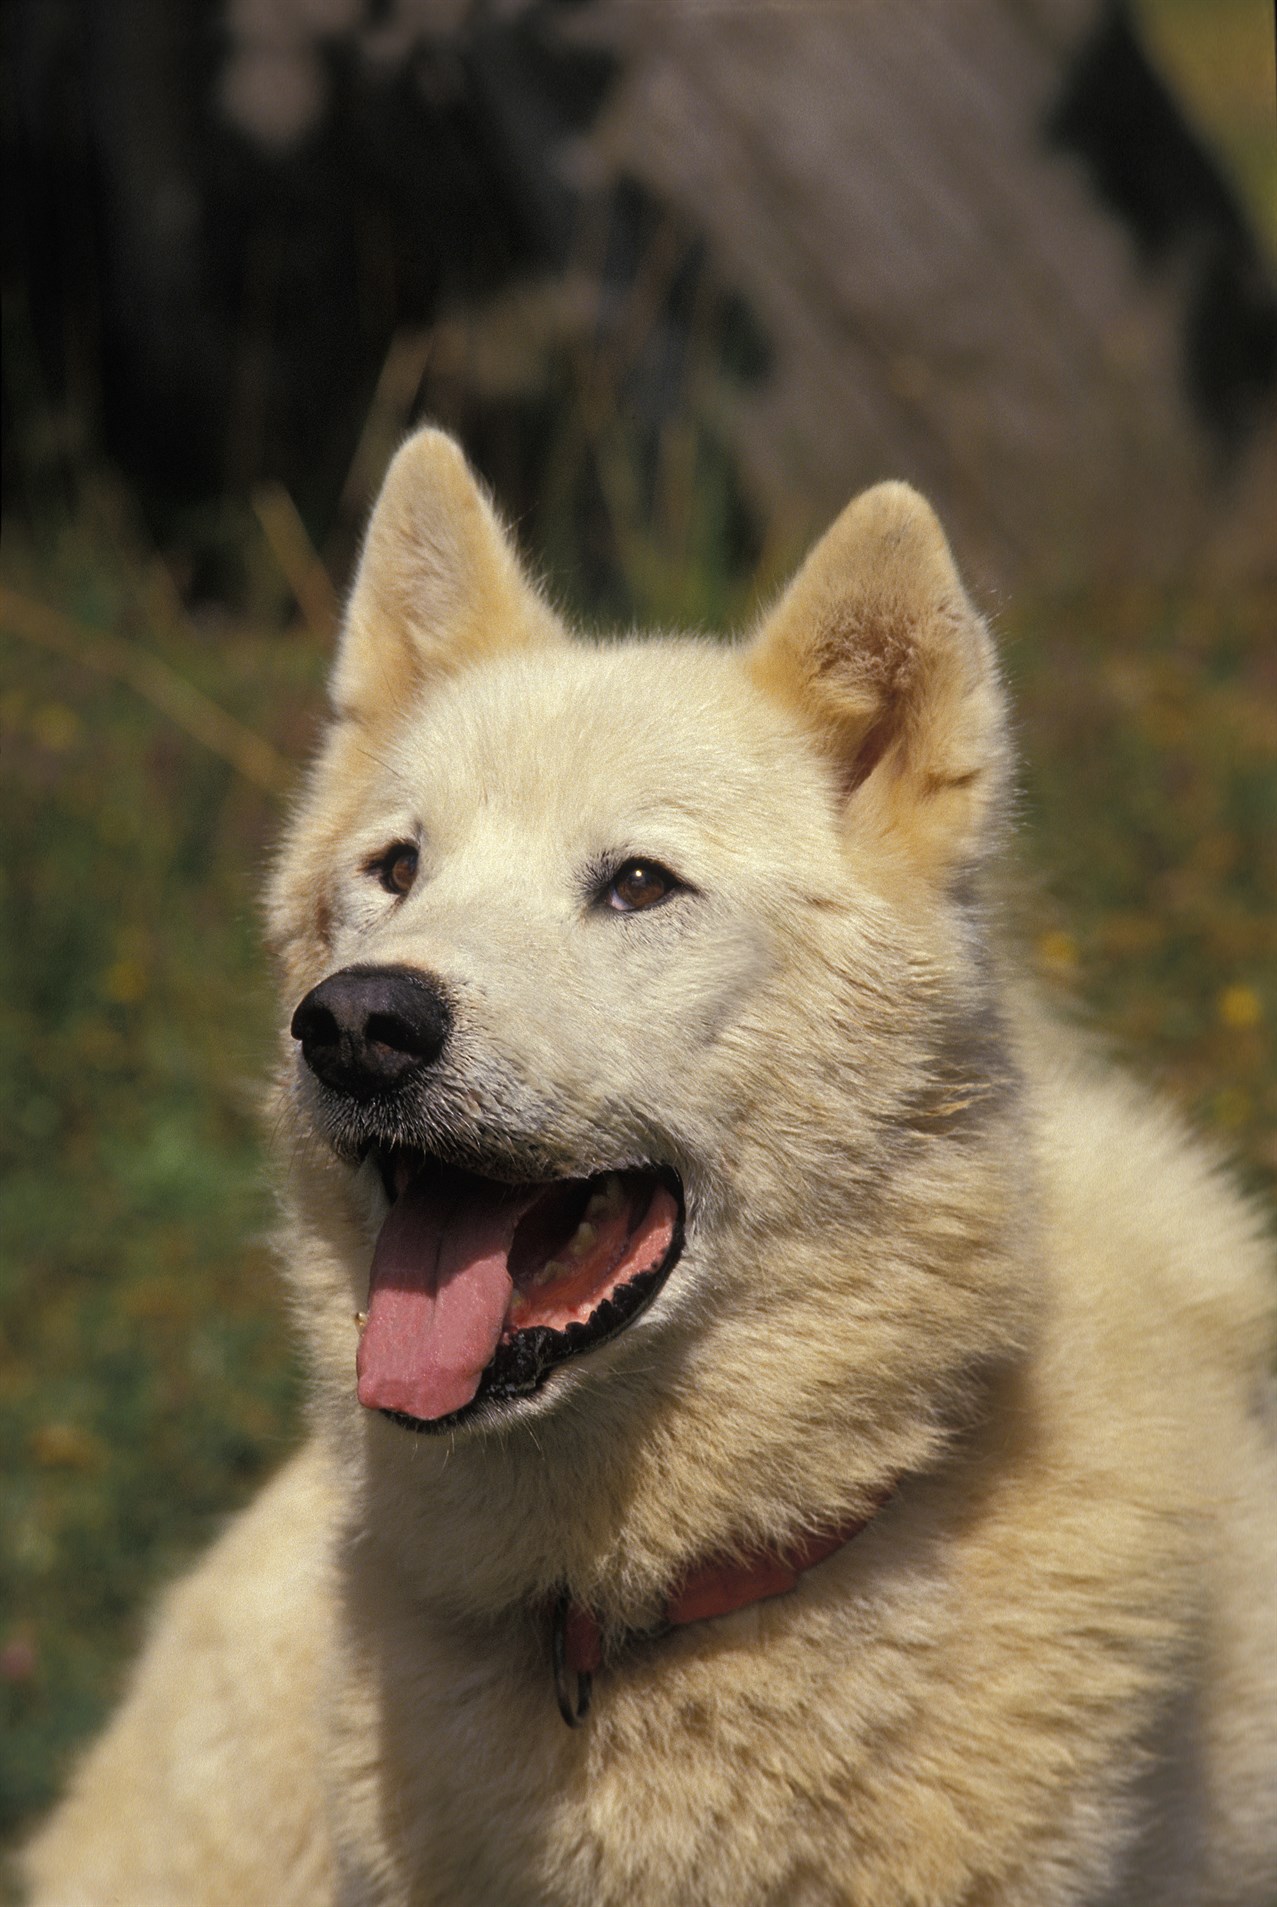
{"x": 521, "y": 1365}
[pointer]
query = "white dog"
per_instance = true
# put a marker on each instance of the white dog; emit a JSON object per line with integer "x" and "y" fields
{"x": 740, "y": 1327}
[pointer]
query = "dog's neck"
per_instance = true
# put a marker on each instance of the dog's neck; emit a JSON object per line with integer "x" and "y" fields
{"x": 716, "y": 1587}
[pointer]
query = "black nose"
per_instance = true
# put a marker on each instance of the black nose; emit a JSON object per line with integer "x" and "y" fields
{"x": 365, "y": 1030}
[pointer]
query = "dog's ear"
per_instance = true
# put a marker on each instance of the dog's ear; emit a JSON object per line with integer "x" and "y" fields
{"x": 438, "y": 584}
{"x": 877, "y": 649}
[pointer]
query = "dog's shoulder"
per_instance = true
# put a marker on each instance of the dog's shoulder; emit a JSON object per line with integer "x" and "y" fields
{"x": 1149, "y": 1233}
{"x": 215, "y": 1742}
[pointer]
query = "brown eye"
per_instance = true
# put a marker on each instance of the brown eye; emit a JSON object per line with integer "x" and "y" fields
{"x": 639, "y": 884}
{"x": 397, "y": 867}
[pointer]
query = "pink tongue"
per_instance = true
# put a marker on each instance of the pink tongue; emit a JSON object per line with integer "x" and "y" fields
{"x": 438, "y": 1295}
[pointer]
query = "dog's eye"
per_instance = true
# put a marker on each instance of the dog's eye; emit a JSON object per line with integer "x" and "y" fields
{"x": 640, "y": 884}
{"x": 396, "y": 869}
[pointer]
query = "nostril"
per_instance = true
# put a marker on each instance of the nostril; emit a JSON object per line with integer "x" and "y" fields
{"x": 422, "y": 1039}
{"x": 315, "y": 1025}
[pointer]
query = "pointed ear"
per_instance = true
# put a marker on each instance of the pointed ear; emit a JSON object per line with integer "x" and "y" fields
{"x": 877, "y": 649}
{"x": 438, "y": 584}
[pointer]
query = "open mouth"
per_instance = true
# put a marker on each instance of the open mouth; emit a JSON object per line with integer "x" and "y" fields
{"x": 479, "y": 1289}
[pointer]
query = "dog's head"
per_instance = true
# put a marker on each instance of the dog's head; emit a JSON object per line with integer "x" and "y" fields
{"x": 644, "y": 1070}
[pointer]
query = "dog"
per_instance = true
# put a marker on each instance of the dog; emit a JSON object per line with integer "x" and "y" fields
{"x": 788, "y": 1425}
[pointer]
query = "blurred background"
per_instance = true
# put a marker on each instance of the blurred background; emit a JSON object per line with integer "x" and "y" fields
{"x": 682, "y": 274}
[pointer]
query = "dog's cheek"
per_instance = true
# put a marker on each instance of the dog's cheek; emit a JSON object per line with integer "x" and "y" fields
{"x": 667, "y": 1005}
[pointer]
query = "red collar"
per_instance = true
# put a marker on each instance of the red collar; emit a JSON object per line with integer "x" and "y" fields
{"x": 716, "y": 1588}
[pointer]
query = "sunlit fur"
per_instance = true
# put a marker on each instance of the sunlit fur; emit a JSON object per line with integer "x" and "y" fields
{"x": 932, "y": 1244}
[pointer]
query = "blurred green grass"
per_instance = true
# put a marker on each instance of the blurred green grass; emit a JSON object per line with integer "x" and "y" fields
{"x": 1149, "y": 738}
{"x": 146, "y": 1380}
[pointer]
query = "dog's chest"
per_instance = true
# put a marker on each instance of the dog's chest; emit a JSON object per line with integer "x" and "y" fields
{"x": 683, "y": 1784}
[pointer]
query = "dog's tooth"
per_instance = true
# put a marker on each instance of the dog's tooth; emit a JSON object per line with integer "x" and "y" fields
{"x": 607, "y": 1201}
{"x": 361, "y": 1320}
{"x": 552, "y": 1268}
{"x": 582, "y": 1239}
